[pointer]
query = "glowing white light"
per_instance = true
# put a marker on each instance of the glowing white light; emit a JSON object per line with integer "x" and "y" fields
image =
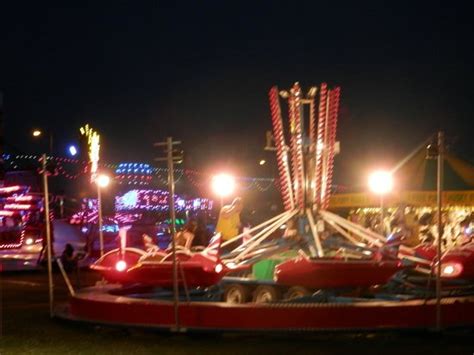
{"x": 319, "y": 146}
{"x": 29, "y": 241}
{"x": 381, "y": 182}
{"x": 262, "y": 162}
{"x": 94, "y": 147}
{"x": 218, "y": 268}
{"x": 451, "y": 270}
{"x": 121, "y": 265}
{"x": 102, "y": 180}
{"x": 72, "y": 150}
{"x": 223, "y": 184}
{"x": 448, "y": 270}
{"x": 37, "y": 133}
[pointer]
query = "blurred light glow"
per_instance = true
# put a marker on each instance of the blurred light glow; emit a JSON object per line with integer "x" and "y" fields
{"x": 451, "y": 269}
{"x": 29, "y": 241}
{"x": 262, "y": 162}
{"x": 120, "y": 265}
{"x": 102, "y": 180}
{"x": 381, "y": 182}
{"x": 223, "y": 184}
{"x": 37, "y": 133}
{"x": 72, "y": 150}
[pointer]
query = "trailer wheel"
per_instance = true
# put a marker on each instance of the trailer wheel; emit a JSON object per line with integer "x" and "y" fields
{"x": 297, "y": 292}
{"x": 266, "y": 294}
{"x": 236, "y": 294}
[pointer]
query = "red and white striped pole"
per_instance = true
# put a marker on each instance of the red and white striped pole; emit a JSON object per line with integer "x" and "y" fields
{"x": 285, "y": 184}
{"x": 322, "y": 117}
{"x": 332, "y": 125}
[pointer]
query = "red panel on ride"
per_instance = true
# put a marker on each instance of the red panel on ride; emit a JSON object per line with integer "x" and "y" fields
{"x": 333, "y": 273}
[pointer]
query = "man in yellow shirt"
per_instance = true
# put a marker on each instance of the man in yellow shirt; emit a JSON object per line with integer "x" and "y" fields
{"x": 228, "y": 223}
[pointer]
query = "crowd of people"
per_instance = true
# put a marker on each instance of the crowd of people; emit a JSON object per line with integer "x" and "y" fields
{"x": 416, "y": 225}
{"x": 419, "y": 225}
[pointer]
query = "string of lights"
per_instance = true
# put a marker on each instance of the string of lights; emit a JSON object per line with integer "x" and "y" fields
{"x": 140, "y": 174}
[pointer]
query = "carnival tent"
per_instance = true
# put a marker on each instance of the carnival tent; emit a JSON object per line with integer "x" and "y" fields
{"x": 415, "y": 185}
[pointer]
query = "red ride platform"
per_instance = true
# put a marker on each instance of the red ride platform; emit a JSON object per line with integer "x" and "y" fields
{"x": 334, "y": 273}
{"x": 98, "y": 305}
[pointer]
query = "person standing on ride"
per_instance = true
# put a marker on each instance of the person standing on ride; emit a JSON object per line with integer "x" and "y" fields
{"x": 184, "y": 238}
{"x": 228, "y": 223}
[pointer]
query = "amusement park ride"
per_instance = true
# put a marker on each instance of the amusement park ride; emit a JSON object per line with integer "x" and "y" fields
{"x": 20, "y": 229}
{"x": 327, "y": 273}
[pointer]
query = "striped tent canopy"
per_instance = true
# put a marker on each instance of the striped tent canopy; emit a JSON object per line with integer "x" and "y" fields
{"x": 415, "y": 184}
{"x": 420, "y": 174}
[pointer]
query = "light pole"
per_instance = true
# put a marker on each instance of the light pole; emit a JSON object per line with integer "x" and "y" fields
{"x": 101, "y": 181}
{"x": 48, "y": 233}
{"x": 171, "y": 158}
{"x": 381, "y": 183}
{"x": 439, "y": 202}
{"x": 223, "y": 185}
{"x": 38, "y": 133}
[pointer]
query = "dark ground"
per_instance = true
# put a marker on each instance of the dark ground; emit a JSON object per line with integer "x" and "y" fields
{"x": 27, "y": 329}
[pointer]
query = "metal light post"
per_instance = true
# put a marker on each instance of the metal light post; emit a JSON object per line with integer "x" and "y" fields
{"x": 101, "y": 181}
{"x": 171, "y": 159}
{"x": 439, "y": 192}
{"x": 381, "y": 183}
{"x": 48, "y": 235}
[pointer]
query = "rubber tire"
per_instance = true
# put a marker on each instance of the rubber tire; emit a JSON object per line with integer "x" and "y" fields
{"x": 236, "y": 294}
{"x": 266, "y": 294}
{"x": 297, "y": 292}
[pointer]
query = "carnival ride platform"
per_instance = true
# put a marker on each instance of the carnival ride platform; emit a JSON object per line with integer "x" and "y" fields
{"x": 101, "y": 305}
{"x": 305, "y": 188}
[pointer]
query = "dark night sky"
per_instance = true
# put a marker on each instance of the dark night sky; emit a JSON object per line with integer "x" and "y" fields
{"x": 200, "y": 71}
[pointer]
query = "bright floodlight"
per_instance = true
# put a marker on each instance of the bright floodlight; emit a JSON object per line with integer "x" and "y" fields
{"x": 36, "y": 133}
{"x": 102, "y": 180}
{"x": 120, "y": 265}
{"x": 381, "y": 182}
{"x": 72, "y": 150}
{"x": 223, "y": 184}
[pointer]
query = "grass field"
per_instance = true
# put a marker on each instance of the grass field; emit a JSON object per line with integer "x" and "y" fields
{"x": 27, "y": 329}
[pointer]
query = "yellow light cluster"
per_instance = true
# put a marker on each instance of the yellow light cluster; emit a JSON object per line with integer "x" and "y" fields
{"x": 93, "y": 142}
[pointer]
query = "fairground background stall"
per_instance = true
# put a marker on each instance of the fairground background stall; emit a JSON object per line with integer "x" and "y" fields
{"x": 412, "y": 202}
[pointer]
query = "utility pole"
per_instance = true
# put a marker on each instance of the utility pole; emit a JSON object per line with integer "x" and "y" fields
{"x": 99, "y": 210}
{"x": 48, "y": 233}
{"x": 440, "y": 144}
{"x": 171, "y": 158}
